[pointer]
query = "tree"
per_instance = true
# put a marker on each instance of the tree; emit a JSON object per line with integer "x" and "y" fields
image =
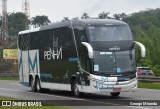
{"x": 16, "y": 23}
{"x": 104, "y": 15}
{"x": 145, "y": 26}
{"x": 117, "y": 16}
{"x": 120, "y": 16}
{"x": 65, "y": 19}
{"x": 85, "y": 16}
{"x": 40, "y": 21}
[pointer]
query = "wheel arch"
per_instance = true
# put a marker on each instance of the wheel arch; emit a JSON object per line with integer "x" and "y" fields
{"x": 73, "y": 78}
{"x": 30, "y": 78}
{"x": 37, "y": 77}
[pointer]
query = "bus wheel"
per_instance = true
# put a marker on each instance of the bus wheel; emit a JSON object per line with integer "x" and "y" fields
{"x": 38, "y": 85}
{"x": 76, "y": 89}
{"x": 33, "y": 87}
{"x": 115, "y": 94}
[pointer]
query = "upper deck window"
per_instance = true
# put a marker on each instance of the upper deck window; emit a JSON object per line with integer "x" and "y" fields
{"x": 110, "y": 33}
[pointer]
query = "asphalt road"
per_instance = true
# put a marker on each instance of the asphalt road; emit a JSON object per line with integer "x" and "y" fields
{"x": 16, "y": 90}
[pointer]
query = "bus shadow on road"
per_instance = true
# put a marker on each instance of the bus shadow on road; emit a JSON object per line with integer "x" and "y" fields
{"x": 85, "y": 95}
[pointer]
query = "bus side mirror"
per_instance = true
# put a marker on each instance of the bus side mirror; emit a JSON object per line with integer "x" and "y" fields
{"x": 89, "y": 48}
{"x": 143, "y": 50}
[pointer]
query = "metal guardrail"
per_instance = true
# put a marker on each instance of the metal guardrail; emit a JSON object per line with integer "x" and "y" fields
{"x": 149, "y": 79}
{"x": 9, "y": 74}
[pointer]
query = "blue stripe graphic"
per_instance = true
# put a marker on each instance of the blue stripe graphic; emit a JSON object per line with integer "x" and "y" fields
{"x": 46, "y": 75}
{"x": 72, "y": 59}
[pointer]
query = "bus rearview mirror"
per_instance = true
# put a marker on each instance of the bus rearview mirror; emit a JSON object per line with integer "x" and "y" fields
{"x": 89, "y": 48}
{"x": 143, "y": 50}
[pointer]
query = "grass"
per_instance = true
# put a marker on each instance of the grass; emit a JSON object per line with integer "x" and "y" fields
{"x": 32, "y": 107}
{"x": 154, "y": 85}
{"x": 28, "y": 107}
{"x": 9, "y": 78}
{"x": 7, "y": 98}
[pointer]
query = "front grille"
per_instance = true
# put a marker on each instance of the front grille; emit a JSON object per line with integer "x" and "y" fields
{"x": 126, "y": 77}
{"x": 121, "y": 76}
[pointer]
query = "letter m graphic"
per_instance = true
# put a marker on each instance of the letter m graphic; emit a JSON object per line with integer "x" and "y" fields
{"x": 33, "y": 66}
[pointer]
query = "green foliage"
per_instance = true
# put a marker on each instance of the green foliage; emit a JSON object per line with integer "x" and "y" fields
{"x": 35, "y": 107}
{"x": 1, "y": 53}
{"x": 65, "y": 19}
{"x": 156, "y": 69}
{"x": 16, "y": 23}
{"x": 40, "y": 21}
{"x": 145, "y": 26}
{"x": 85, "y": 16}
{"x": 149, "y": 85}
{"x": 9, "y": 78}
{"x": 104, "y": 15}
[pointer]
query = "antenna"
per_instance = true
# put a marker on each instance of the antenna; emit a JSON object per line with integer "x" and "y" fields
{"x": 5, "y": 37}
{"x": 26, "y": 11}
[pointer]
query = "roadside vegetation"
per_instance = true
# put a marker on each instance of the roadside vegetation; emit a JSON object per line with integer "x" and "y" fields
{"x": 9, "y": 78}
{"x": 148, "y": 85}
{"x": 32, "y": 107}
{"x": 145, "y": 26}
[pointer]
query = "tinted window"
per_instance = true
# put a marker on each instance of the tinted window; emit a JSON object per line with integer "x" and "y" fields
{"x": 46, "y": 39}
{"x": 80, "y": 34}
{"x": 109, "y": 33}
{"x": 23, "y": 42}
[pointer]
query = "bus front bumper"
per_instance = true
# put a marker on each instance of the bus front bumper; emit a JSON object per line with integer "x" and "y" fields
{"x": 108, "y": 87}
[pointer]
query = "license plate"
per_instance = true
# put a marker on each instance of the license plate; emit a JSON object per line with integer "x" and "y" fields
{"x": 117, "y": 89}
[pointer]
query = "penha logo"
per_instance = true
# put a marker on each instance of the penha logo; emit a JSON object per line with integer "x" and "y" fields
{"x": 55, "y": 53}
{"x": 115, "y": 48}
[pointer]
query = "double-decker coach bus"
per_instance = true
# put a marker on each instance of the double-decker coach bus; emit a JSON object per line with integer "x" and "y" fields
{"x": 82, "y": 56}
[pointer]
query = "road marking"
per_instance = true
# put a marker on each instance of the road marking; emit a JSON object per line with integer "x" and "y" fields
{"x": 136, "y": 107}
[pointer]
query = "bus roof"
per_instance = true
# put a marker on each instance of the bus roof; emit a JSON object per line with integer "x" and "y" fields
{"x": 82, "y": 22}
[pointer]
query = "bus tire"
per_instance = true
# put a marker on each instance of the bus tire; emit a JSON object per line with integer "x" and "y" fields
{"x": 115, "y": 94}
{"x": 33, "y": 86}
{"x": 38, "y": 86}
{"x": 75, "y": 89}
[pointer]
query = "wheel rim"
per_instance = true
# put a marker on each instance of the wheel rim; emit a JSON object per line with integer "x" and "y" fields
{"x": 32, "y": 84}
{"x": 38, "y": 86}
{"x": 76, "y": 90}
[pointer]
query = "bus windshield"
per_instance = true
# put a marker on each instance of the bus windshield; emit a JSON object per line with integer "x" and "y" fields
{"x": 114, "y": 62}
{"x": 109, "y": 33}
